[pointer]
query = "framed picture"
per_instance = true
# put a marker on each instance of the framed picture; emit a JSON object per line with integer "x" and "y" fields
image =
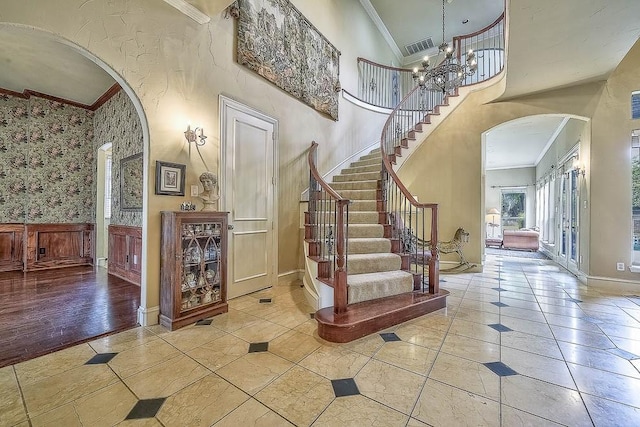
{"x": 170, "y": 178}
{"x": 131, "y": 171}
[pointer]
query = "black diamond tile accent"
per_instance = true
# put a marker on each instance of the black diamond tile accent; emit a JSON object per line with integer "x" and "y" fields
{"x": 312, "y": 315}
{"x": 573, "y": 300}
{"x": 624, "y": 354}
{"x": 500, "y": 327}
{"x": 265, "y": 300}
{"x": 499, "y": 289}
{"x": 387, "y": 337}
{"x": 345, "y": 387}
{"x": 146, "y": 408}
{"x": 258, "y": 347}
{"x": 101, "y": 358}
{"x": 443, "y": 281}
{"x": 500, "y": 369}
{"x": 499, "y": 304}
{"x": 499, "y": 279}
{"x": 204, "y": 322}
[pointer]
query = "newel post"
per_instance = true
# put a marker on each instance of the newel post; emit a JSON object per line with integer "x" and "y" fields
{"x": 340, "y": 276}
{"x": 434, "y": 262}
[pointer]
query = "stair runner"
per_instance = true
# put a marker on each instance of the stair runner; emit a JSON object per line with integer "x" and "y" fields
{"x": 373, "y": 271}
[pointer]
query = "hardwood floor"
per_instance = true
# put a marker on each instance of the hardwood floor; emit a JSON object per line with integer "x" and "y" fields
{"x": 45, "y": 311}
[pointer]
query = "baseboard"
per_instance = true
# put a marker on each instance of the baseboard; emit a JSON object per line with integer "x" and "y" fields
{"x": 295, "y": 274}
{"x": 614, "y": 285}
{"x": 101, "y": 262}
{"x": 148, "y": 316}
{"x": 312, "y": 298}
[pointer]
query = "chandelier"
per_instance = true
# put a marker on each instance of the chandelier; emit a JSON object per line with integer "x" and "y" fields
{"x": 450, "y": 73}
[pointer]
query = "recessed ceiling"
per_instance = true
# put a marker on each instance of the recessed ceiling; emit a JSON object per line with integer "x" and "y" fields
{"x": 34, "y": 60}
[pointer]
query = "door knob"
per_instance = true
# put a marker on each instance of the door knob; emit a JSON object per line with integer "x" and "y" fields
{"x": 230, "y": 227}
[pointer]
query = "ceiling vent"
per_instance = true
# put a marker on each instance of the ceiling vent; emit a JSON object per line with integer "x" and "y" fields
{"x": 419, "y": 46}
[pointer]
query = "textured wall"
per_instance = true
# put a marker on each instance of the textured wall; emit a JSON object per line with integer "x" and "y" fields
{"x": 47, "y": 162}
{"x": 117, "y": 122}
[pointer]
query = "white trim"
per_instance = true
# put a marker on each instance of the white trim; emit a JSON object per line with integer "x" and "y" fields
{"x": 189, "y": 10}
{"x": 371, "y": 11}
{"x": 634, "y": 268}
{"x": 613, "y": 284}
{"x": 290, "y": 273}
{"x": 346, "y": 95}
{"x": 510, "y": 167}
{"x": 148, "y": 316}
{"x": 552, "y": 139}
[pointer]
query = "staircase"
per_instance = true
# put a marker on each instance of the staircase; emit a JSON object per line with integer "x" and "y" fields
{"x": 374, "y": 271}
{"x": 377, "y": 290}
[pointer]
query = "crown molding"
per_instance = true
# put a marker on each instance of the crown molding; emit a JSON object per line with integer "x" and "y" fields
{"x": 189, "y": 10}
{"x": 28, "y": 93}
{"x": 371, "y": 11}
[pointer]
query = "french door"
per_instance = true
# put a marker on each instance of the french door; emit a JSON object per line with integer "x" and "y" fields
{"x": 569, "y": 221}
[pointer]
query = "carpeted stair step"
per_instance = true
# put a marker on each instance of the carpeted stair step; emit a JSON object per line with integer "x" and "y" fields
{"x": 359, "y": 194}
{"x": 362, "y": 205}
{"x": 367, "y": 176}
{"x": 365, "y": 287}
{"x": 363, "y": 217}
{"x": 365, "y": 230}
{"x": 373, "y": 263}
{"x": 354, "y": 185}
{"x": 369, "y": 245}
{"x": 361, "y": 169}
{"x": 373, "y": 155}
{"x": 373, "y": 161}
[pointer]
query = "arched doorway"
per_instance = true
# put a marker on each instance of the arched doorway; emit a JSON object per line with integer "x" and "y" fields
{"x": 39, "y": 45}
{"x": 534, "y": 181}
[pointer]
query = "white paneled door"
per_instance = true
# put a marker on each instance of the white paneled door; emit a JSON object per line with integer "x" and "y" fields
{"x": 248, "y": 188}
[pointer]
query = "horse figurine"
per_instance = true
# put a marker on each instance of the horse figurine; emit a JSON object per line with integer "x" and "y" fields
{"x": 460, "y": 237}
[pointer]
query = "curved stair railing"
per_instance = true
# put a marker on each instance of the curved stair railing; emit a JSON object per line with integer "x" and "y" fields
{"x": 405, "y": 216}
{"x": 326, "y": 232}
{"x": 384, "y": 86}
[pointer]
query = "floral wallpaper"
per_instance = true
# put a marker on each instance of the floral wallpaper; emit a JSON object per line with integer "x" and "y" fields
{"x": 14, "y": 125}
{"x": 47, "y": 159}
{"x": 117, "y": 122}
{"x": 47, "y": 162}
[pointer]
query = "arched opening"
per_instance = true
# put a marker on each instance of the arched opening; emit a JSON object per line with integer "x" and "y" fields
{"x": 534, "y": 174}
{"x": 49, "y": 115}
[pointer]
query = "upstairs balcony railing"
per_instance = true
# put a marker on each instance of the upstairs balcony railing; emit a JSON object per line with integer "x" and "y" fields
{"x": 383, "y": 86}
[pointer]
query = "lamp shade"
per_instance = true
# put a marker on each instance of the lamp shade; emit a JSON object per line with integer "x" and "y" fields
{"x": 493, "y": 211}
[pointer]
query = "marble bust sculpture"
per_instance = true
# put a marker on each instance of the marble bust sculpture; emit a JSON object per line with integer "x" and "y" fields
{"x": 209, "y": 195}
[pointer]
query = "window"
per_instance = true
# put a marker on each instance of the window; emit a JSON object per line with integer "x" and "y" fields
{"x": 513, "y": 209}
{"x": 107, "y": 186}
{"x": 635, "y": 104}
{"x": 635, "y": 196}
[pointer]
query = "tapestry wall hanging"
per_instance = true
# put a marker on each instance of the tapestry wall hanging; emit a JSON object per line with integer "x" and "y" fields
{"x": 276, "y": 41}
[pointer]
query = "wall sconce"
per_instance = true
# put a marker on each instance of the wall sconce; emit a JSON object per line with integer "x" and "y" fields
{"x": 576, "y": 165}
{"x": 193, "y": 135}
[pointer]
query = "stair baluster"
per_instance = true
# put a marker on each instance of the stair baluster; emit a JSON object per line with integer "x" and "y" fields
{"x": 327, "y": 221}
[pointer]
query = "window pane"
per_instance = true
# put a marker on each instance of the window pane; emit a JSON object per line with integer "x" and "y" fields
{"x": 107, "y": 187}
{"x": 635, "y": 195}
{"x": 513, "y": 210}
{"x": 635, "y": 105}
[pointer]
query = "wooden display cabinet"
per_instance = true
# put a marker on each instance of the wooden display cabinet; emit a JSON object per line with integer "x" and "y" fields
{"x": 193, "y": 267}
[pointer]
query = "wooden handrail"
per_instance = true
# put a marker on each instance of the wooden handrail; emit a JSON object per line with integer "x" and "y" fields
{"x": 314, "y": 171}
{"x": 387, "y": 67}
{"x": 340, "y": 297}
{"x": 487, "y": 28}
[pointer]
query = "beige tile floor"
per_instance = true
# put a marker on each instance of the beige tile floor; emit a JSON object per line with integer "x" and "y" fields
{"x": 567, "y": 355}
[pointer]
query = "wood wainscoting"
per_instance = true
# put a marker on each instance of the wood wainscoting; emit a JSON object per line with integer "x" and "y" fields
{"x": 58, "y": 245}
{"x": 125, "y": 253}
{"x": 11, "y": 240}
